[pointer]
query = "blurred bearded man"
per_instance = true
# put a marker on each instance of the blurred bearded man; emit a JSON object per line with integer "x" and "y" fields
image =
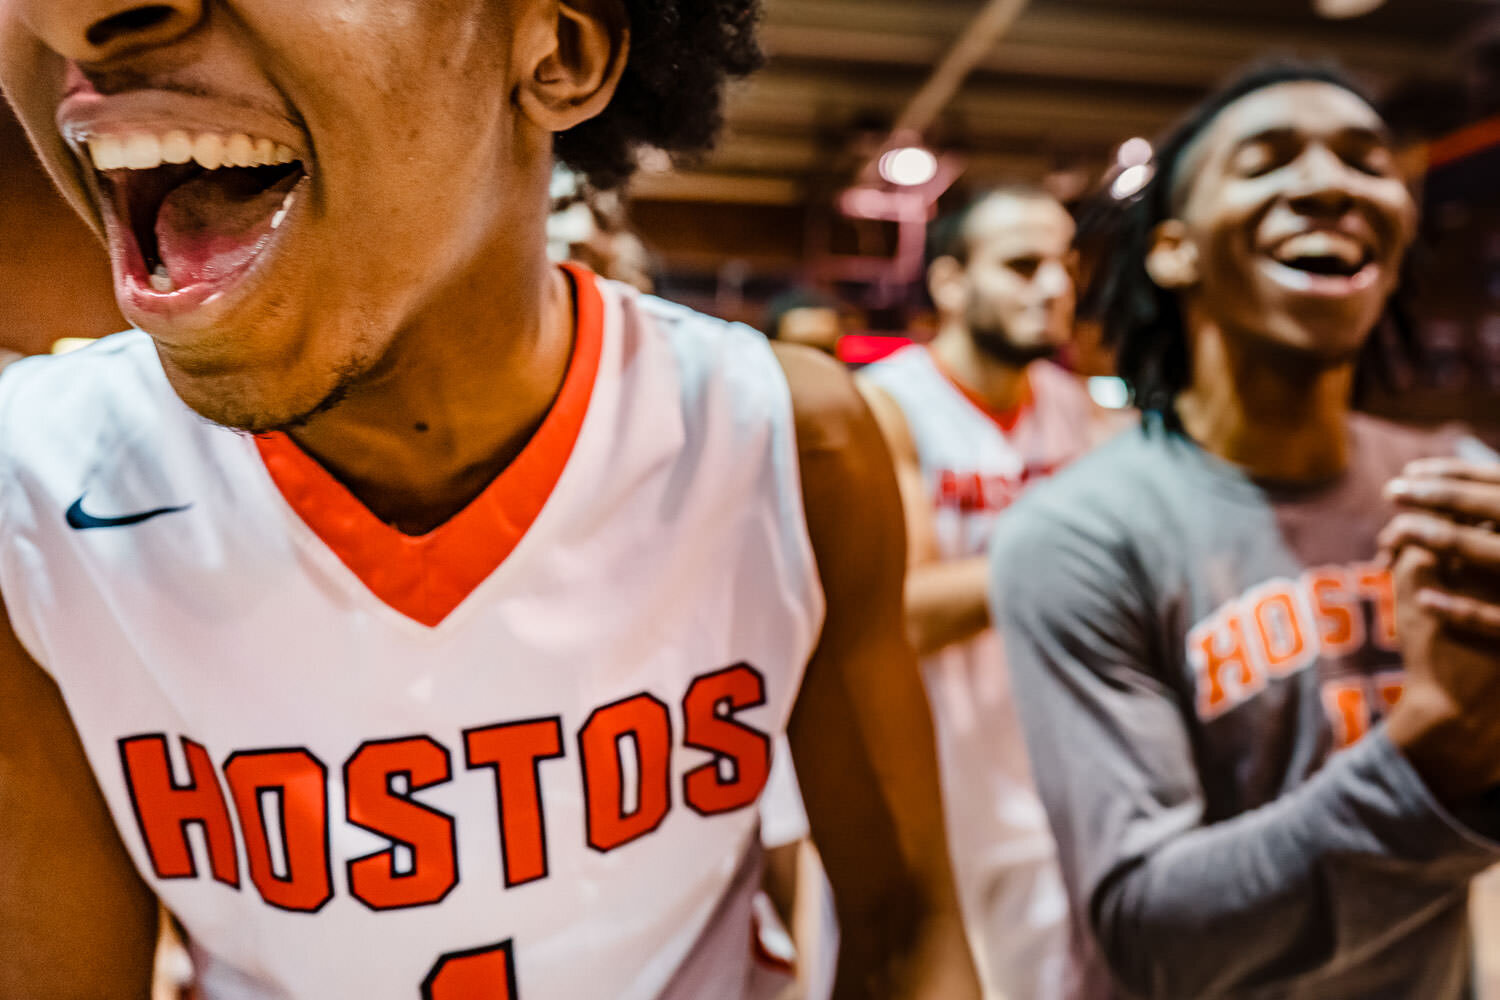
{"x": 973, "y": 419}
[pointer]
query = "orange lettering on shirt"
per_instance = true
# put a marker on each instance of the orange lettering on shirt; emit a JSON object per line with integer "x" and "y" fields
{"x": 515, "y": 751}
{"x": 1348, "y": 710}
{"x": 1278, "y": 624}
{"x": 708, "y": 717}
{"x": 1390, "y": 686}
{"x": 641, "y": 727}
{"x": 299, "y": 783}
{"x": 1376, "y": 584}
{"x": 1341, "y": 625}
{"x": 1226, "y": 673}
{"x": 163, "y": 808}
{"x": 374, "y": 804}
{"x": 478, "y": 974}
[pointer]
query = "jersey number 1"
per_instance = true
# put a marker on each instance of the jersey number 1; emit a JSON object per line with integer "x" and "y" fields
{"x": 479, "y": 974}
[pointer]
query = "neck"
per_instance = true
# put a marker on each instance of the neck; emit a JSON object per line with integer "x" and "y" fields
{"x": 458, "y": 395}
{"x": 1279, "y": 421}
{"x": 1002, "y": 387}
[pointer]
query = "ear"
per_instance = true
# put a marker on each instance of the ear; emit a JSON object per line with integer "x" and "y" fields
{"x": 1172, "y": 260}
{"x": 577, "y": 64}
{"x": 947, "y": 284}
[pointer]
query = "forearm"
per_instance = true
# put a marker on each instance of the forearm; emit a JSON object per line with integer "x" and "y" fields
{"x": 941, "y": 966}
{"x": 1326, "y": 874}
{"x": 908, "y": 951}
{"x": 946, "y": 602}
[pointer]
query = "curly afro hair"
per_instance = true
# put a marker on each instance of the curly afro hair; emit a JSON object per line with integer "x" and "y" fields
{"x": 671, "y": 94}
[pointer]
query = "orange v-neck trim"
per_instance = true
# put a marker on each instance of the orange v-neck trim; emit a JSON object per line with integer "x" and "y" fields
{"x": 426, "y": 577}
{"x": 1006, "y": 420}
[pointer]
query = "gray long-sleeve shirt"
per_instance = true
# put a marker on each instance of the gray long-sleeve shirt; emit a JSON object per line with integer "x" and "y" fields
{"x": 1201, "y": 664}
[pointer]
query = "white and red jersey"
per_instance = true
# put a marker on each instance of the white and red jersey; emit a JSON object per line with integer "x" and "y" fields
{"x": 518, "y": 757}
{"x": 974, "y": 465}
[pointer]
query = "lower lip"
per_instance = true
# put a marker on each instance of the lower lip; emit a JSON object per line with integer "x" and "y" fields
{"x": 138, "y": 297}
{"x": 1325, "y": 286}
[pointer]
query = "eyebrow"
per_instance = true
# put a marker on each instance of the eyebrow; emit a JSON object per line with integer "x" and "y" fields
{"x": 1362, "y": 133}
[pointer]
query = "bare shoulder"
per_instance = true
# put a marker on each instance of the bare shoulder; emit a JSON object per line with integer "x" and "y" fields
{"x": 890, "y": 418}
{"x": 853, "y": 506}
{"x": 824, "y": 398}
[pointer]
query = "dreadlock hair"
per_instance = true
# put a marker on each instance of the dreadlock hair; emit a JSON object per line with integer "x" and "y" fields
{"x": 671, "y": 93}
{"x": 1142, "y": 321}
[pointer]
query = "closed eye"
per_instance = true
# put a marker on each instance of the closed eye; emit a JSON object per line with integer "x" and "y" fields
{"x": 1026, "y": 267}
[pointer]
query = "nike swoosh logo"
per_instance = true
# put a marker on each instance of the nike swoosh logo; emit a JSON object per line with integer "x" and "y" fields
{"x": 81, "y": 520}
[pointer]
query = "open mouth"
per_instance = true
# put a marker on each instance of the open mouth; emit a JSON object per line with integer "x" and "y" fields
{"x": 192, "y": 213}
{"x": 1327, "y": 266}
{"x": 1326, "y": 262}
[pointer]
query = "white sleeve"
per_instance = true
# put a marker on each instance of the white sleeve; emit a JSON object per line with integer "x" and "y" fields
{"x": 783, "y": 820}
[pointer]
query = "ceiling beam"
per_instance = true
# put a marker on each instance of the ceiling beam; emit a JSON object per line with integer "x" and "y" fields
{"x": 733, "y": 189}
{"x": 912, "y": 34}
{"x": 973, "y": 43}
{"x": 829, "y": 99}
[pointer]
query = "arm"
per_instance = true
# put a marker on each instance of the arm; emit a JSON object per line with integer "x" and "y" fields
{"x": 861, "y": 734}
{"x": 945, "y": 601}
{"x": 1322, "y": 877}
{"x": 76, "y": 921}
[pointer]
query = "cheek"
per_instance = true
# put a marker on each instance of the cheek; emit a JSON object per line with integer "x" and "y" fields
{"x": 1002, "y": 293}
{"x": 1229, "y": 249}
{"x": 1398, "y": 216}
{"x": 31, "y": 76}
{"x": 1226, "y": 238}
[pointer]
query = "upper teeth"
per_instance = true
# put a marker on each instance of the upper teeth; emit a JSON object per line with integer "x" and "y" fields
{"x": 1321, "y": 244}
{"x": 144, "y": 151}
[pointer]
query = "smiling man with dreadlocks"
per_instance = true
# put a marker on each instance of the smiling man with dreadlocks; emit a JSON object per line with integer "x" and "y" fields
{"x": 1203, "y": 643}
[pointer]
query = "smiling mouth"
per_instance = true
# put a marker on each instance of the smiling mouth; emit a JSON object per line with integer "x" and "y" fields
{"x": 1324, "y": 255}
{"x": 187, "y": 215}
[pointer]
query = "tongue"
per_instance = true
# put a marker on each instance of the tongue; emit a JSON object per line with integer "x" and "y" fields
{"x": 217, "y": 222}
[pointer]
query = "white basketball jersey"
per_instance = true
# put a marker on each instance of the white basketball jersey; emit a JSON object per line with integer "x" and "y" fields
{"x": 518, "y": 758}
{"x": 974, "y": 465}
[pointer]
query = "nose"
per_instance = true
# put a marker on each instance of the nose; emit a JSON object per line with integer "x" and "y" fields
{"x": 94, "y": 32}
{"x": 1323, "y": 183}
{"x": 1054, "y": 281}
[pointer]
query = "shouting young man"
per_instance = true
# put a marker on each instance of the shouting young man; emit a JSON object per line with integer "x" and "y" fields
{"x": 972, "y": 419}
{"x": 444, "y": 658}
{"x": 1203, "y": 642}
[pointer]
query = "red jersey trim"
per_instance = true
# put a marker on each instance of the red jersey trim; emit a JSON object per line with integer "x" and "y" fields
{"x": 1006, "y": 420}
{"x": 425, "y": 577}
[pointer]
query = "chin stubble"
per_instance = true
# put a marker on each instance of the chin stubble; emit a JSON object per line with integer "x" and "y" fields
{"x": 996, "y": 346}
{"x": 235, "y": 402}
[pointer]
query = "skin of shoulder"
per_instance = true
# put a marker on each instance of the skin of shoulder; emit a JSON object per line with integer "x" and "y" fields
{"x": 76, "y": 920}
{"x": 861, "y": 733}
{"x": 921, "y": 536}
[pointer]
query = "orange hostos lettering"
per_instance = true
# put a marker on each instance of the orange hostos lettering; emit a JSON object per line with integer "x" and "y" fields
{"x": 1226, "y": 673}
{"x": 1348, "y": 708}
{"x": 1341, "y": 626}
{"x": 1278, "y": 625}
